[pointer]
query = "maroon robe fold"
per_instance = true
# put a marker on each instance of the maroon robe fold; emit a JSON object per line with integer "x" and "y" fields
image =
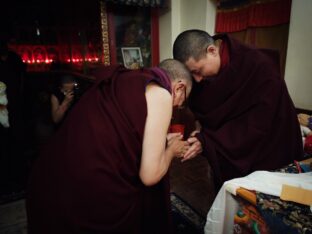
{"x": 87, "y": 179}
{"x": 248, "y": 119}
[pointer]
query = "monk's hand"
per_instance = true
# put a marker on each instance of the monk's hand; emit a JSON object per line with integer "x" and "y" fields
{"x": 194, "y": 133}
{"x": 195, "y": 148}
{"x": 173, "y": 135}
{"x": 177, "y": 146}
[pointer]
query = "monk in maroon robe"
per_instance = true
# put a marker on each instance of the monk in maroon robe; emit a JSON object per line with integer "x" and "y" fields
{"x": 105, "y": 170}
{"x": 248, "y": 120}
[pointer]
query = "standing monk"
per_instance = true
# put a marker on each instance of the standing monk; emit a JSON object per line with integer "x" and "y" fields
{"x": 105, "y": 171}
{"x": 248, "y": 120}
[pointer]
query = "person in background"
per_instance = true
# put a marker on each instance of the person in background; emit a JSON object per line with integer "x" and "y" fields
{"x": 105, "y": 170}
{"x": 248, "y": 120}
{"x": 63, "y": 98}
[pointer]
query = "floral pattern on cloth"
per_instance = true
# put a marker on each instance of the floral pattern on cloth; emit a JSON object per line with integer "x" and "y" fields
{"x": 248, "y": 219}
{"x": 291, "y": 168}
{"x": 285, "y": 216}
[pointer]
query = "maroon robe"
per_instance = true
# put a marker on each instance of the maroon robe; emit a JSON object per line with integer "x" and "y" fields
{"x": 87, "y": 180}
{"x": 248, "y": 118}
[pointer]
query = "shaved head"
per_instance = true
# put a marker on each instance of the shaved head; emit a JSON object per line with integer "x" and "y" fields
{"x": 191, "y": 44}
{"x": 176, "y": 70}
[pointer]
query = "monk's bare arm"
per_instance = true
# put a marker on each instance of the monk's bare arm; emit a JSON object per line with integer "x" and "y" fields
{"x": 156, "y": 158}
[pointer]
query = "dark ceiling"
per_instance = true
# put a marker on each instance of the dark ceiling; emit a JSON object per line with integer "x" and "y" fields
{"x": 46, "y": 14}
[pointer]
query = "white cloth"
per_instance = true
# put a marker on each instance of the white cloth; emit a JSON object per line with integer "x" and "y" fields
{"x": 221, "y": 215}
{"x": 304, "y": 130}
{"x": 220, "y": 218}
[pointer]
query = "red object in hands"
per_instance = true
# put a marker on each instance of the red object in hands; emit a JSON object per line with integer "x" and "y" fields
{"x": 177, "y": 128}
{"x": 308, "y": 144}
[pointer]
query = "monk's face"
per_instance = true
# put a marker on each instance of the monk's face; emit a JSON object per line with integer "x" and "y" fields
{"x": 206, "y": 66}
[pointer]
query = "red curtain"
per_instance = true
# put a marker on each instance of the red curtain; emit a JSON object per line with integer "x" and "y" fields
{"x": 254, "y": 14}
{"x": 260, "y": 23}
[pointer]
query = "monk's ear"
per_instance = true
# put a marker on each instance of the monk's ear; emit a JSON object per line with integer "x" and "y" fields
{"x": 178, "y": 88}
{"x": 212, "y": 49}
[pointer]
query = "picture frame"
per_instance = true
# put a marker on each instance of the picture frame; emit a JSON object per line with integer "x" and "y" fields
{"x": 132, "y": 57}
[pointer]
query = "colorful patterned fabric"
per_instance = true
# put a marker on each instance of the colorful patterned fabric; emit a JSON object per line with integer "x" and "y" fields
{"x": 273, "y": 215}
{"x": 284, "y": 216}
{"x": 248, "y": 219}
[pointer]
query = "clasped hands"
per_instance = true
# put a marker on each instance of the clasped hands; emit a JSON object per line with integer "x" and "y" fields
{"x": 184, "y": 149}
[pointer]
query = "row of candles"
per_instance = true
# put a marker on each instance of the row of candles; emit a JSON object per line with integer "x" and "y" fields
{"x": 74, "y": 60}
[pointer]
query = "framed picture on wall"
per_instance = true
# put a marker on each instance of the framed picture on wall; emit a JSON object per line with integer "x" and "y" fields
{"x": 130, "y": 26}
{"x": 132, "y": 57}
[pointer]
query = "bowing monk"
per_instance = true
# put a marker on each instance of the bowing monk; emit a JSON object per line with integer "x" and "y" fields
{"x": 248, "y": 120}
{"x": 105, "y": 170}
